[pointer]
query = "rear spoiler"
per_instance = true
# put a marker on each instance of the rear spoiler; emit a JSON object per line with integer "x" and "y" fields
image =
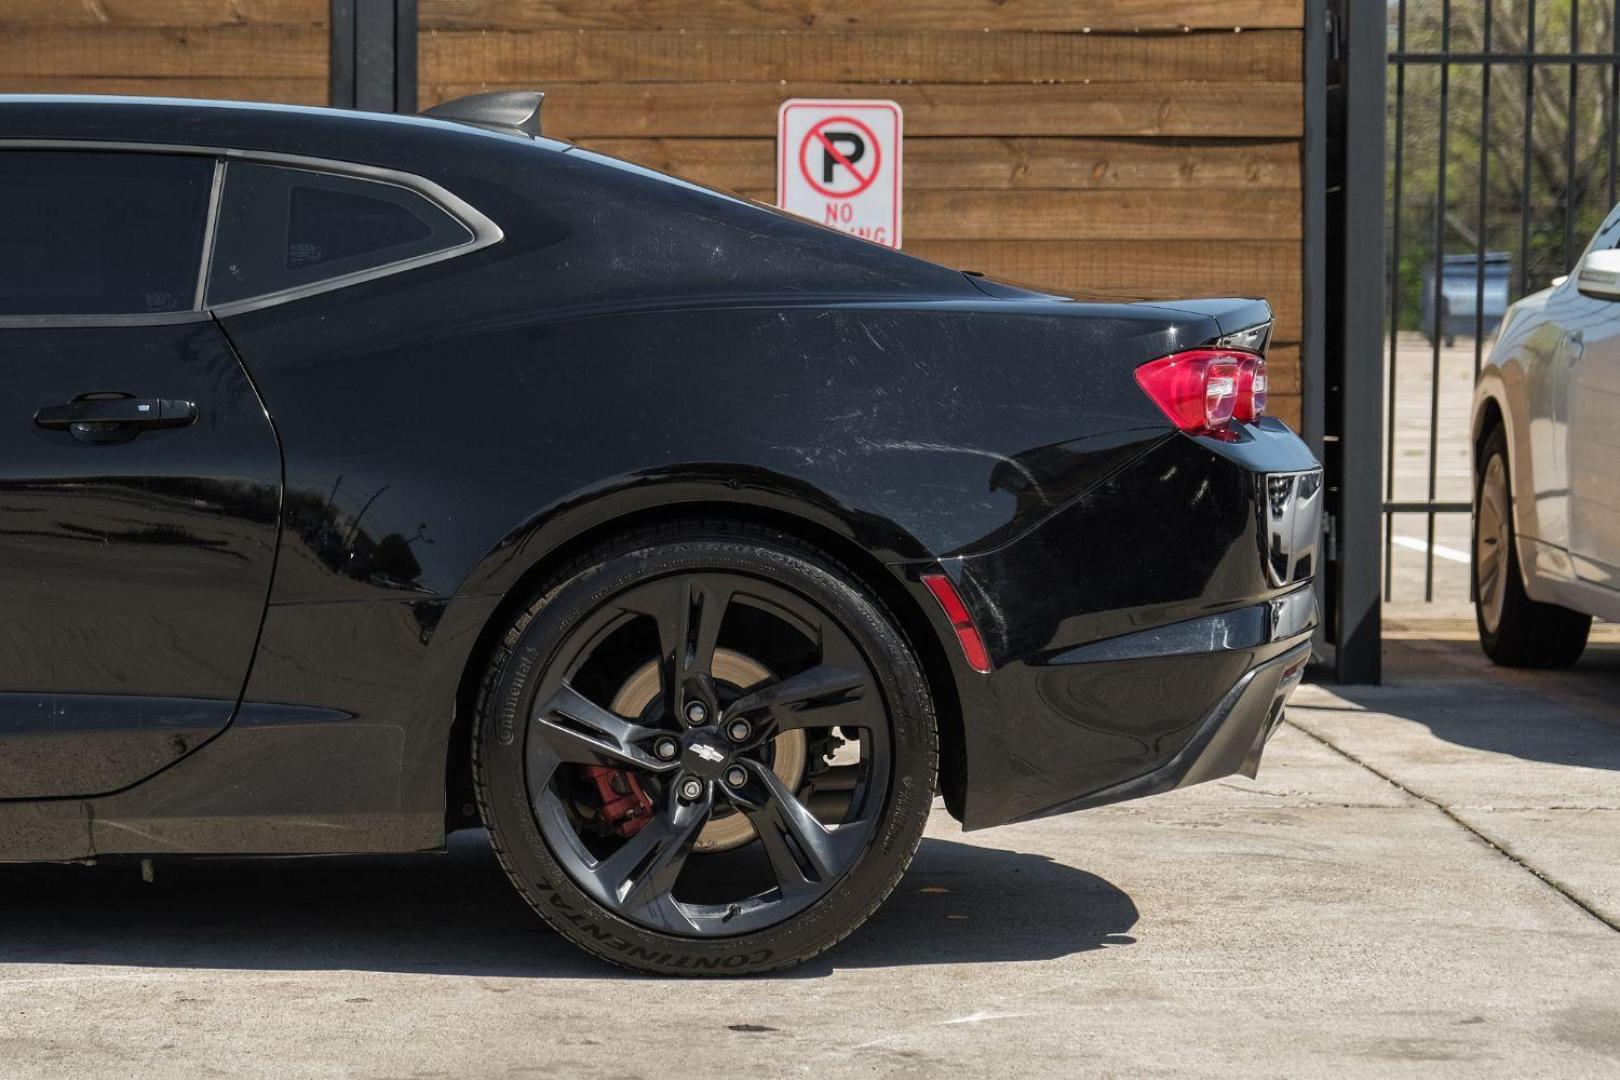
{"x": 511, "y": 112}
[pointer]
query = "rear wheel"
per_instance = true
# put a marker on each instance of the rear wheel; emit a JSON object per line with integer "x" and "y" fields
{"x": 705, "y": 749}
{"x": 1514, "y": 630}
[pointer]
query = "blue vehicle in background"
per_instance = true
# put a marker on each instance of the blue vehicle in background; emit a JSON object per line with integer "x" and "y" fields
{"x": 1459, "y": 292}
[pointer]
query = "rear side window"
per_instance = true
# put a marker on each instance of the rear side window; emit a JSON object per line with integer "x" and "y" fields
{"x": 284, "y": 228}
{"x": 100, "y": 233}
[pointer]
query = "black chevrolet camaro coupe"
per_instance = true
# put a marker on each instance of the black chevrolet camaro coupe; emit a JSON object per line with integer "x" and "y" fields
{"x": 366, "y": 477}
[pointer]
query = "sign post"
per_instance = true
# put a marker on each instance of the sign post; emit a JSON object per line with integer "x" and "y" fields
{"x": 838, "y": 162}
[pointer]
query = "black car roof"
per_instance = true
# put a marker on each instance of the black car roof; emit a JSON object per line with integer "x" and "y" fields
{"x": 399, "y": 141}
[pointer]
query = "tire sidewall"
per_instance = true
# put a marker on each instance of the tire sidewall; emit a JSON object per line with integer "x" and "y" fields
{"x": 1515, "y": 601}
{"x": 1530, "y": 633}
{"x": 508, "y": 700}
{"x": 1495, "y": 445}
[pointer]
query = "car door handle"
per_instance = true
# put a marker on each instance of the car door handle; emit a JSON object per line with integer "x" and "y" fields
{"x": 108, "y": 419}
{"x": 1574, "y": 347}
{"x": 125, "y": 412}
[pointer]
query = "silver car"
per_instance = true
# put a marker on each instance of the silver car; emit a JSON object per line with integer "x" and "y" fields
{"x": 1546, "y": 440}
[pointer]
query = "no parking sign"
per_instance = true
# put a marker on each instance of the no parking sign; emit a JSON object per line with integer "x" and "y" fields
{"x": 838, "y": 162}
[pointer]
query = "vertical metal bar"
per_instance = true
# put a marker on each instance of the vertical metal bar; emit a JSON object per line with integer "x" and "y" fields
{"x": 1443, "y": 161}
{"x": 1529, "y": 129}
{"x": 405, "y": 30}
{"x": 1357, "y": 613}
{"x": 1389, "y": 548}
{"x": 374, "y": 56}
{"x": 1394, "y": 293}
{"x": 340, "y": 70}
{"x": 1484, "y": 175}
{"x": 1313, "y": 400}
{"x": 1569, "y": 135}
{"x": 1314, "y": 154}
{"x": 1614, "y": 102}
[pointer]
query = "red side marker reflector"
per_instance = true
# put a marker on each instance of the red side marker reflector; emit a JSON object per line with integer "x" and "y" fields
{"x": 967, "y": 635}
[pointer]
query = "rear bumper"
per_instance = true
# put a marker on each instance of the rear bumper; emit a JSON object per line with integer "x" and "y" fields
{"x": 1145, "y": 636}
{"x": 1229, "y": 740}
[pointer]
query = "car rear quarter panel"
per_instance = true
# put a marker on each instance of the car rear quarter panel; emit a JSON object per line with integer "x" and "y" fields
{"x": 433, "y": 462}
{"x": 1171, "y": 536}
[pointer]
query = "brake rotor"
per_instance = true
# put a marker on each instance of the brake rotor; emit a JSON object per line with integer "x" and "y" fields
{"x": 727, "y": 828}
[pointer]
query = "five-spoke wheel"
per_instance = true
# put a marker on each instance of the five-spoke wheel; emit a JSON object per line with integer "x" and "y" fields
{"x": 711, "y": 751}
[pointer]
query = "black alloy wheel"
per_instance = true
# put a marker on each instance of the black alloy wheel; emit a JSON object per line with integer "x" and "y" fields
{"x": 705, "y": 749}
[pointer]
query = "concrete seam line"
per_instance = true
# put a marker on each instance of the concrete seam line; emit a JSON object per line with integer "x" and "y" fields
{"x": 1552, "y": 884}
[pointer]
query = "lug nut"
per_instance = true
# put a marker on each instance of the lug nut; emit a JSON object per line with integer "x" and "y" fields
{"x": 696, "y": 713}
{"x": 692, "y": 790}
{"x": 739, "y": 730}
{"x": 666, "y": 749}
{"x": 736, "y": 776}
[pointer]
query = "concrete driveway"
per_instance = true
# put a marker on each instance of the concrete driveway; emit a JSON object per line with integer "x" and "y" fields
{"x": 1424, "y": 881}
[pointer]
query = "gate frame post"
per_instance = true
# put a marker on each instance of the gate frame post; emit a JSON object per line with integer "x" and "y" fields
{"x": 1313, "y": 270}
{"x": 1354, "y": 353}
{"x": 373, "y": 58}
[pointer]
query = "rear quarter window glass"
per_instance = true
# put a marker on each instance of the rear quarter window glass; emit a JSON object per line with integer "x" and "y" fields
{"x": 86, "y": 232}
{"x": 282, "y": 228}
{"x": 1608, "y": 233}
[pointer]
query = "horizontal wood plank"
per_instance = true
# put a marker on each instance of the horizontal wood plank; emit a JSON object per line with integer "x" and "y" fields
{"x": 1135, "y": 267}
{"x": 1285, "y": 407}
{"x": 1203, "y": 109}
{"x": 1282, "y": 369}
{"x": 1149, "y": 268}
{"x": 1169, "y": 216}
{"x": 196, "y": 13}
{"x": 284, "y": 91}
{"x": 549, "y": 57}
{"x": 922, "y": 15}
{"x": 166, "y": 52}
{"x": 1022, "y": 163}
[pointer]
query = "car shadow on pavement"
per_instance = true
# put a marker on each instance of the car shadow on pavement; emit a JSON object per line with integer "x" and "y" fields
{"x": 1563, "y": 717}
{"x": 961, "y": 903}
{"x": 456, "y": 914}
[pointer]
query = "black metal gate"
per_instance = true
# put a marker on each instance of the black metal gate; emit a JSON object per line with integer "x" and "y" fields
{"x": 1502, "y": 162}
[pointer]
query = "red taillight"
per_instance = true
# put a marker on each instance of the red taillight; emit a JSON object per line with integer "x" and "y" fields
{"x": 1202, "y": 390}
{"x": 956, "y": 612}
{"x": 1251, "y": 403}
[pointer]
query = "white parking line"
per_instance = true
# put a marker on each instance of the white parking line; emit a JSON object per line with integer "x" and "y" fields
{"x": 1440, "y": 550}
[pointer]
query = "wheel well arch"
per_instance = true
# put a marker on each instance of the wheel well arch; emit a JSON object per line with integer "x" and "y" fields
{"x": 1491, "y": 413}
{"x": 1490, "y": 417}
{"x": 914, "y": 623}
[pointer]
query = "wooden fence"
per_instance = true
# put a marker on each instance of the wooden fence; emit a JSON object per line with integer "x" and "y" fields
{"x": 1138, "y": 147}
{"x": 264, "y": 50}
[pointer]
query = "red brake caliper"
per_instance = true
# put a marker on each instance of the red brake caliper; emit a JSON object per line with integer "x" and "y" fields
{"x": 625, "y": 807}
